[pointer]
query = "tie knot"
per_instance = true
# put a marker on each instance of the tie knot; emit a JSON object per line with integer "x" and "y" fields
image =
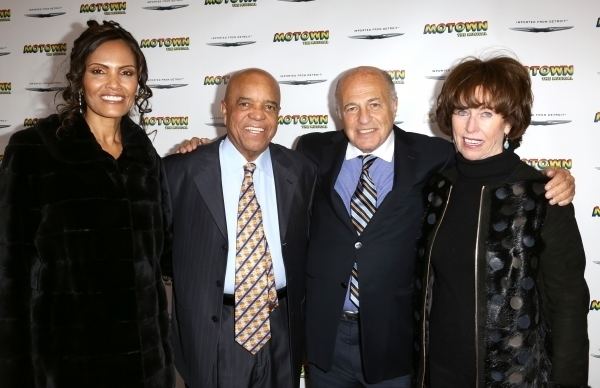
{"x": 367, "y": 161}
{"x": 249, "y": 168}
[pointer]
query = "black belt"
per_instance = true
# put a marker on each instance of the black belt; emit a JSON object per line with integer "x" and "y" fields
{"x": 350, "y": 316}
{"x": 229, "y": 299}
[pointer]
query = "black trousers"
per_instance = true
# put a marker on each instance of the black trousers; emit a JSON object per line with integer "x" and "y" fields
{"x": 269, "y": 368}
{"x": 346, "y": 369}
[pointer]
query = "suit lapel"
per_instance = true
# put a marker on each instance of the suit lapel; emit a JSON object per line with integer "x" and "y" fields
{"x": 207, "y": 178}
{"x": 336, "y": 150}
{"x": 404, "y": 174}
{"x": 404, "y": 165}
{"x": 404, "y": 168}
{"x": 286, "y": 181}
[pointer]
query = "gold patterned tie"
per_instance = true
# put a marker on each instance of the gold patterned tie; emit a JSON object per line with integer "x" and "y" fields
{"x": 255, "y": 293}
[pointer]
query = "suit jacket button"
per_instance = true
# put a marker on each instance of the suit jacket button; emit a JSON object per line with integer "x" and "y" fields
{"x": 214, "y": 318}
{"x": 344, "y": 284}
{"x": 224, "y": 247}
{"x": 357, "y": 245}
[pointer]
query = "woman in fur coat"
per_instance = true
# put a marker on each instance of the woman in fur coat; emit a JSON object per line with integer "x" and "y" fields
{"x": 82, "y": 233}
{"x": 503, "y": 296}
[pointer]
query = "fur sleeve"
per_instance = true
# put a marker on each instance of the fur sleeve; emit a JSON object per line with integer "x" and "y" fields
{"x": 19, "y": 218}
{"x": 166, "y": 256}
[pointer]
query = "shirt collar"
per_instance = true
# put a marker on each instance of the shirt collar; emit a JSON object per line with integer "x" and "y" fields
{"x": 238, "y": 161}
{"x": 385, "y": 151}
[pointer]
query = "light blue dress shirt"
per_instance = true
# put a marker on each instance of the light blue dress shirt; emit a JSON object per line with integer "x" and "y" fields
{"x": 382, "y": 174}
{"x": 232, "y": 174}
{"x": 382, "y": 171}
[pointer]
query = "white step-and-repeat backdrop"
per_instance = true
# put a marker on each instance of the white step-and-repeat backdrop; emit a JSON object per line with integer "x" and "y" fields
{"x": 191, "y": 46}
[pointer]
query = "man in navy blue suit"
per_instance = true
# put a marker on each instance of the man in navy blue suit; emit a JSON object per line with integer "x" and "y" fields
{"x": 361, "y": 335}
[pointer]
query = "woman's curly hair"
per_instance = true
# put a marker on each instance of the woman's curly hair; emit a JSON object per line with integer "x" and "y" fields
{"x": 95, "y": 35}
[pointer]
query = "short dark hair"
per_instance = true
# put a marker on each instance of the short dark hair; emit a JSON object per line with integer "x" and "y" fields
{"x": 502, "y": 82}
{"x": 89, "y": 40}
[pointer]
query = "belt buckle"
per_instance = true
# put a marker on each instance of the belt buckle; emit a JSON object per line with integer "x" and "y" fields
{"x": 350, "y": 315}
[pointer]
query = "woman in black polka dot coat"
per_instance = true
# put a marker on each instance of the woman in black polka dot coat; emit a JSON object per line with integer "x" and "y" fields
{"x": 502, "y": 300}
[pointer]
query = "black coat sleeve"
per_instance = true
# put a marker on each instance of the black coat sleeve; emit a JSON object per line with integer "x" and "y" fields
{"x": 166, "y": 263}
{"x": 19, "y": 218}
{"x": 565, "y": 296}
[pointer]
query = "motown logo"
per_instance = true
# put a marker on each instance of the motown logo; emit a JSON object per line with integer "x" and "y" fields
{"x": 216, "y": 80}
{"x": 169, "y": 44}
{"x": 397, "y": 76}
{"x": 5, "y": 87}
{"x": 597, "y": 117}
{"x": 597, "y": 22}
{"x": 596, "y": 211}
{"x": 167, "y": 122}
{"x": 113, "y": 8}
{"x": 30, "y": 122}
{"x": 595, "y": 305}
{"x": 234, "y": 3}
{"x": 306, "y": 37}
{"x": 50, "y": 49}
{"x": 305, "y": 121}
{"x": 462, "y": 29}
{"x": 542, "y": 164}
{"x": 552, "y": 72}
{"x": 4, "y": 15}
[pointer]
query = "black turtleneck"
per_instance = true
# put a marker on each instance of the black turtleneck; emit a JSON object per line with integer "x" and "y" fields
{"x": 452, "y": 319}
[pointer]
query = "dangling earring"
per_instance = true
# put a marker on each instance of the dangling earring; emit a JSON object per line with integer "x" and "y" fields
{"x": 506, "y": 144}
{"x": 80, "y": 103}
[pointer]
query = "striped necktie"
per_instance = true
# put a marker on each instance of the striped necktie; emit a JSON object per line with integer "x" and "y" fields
{"x": 363, "y": 206}
{"x": 255, "y": 293}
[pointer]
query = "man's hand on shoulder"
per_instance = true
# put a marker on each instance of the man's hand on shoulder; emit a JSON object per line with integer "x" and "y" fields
{"x": 191, "y": 144}
{"x": 561, "y": 187}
